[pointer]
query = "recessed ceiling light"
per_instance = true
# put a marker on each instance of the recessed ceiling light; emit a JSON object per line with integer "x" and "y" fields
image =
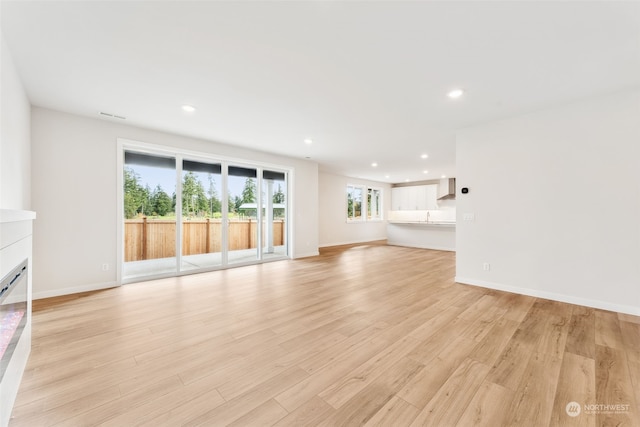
{"x": 406, "y": 180}
{"x": 424, "y": 156}
{"x": 308, "y": 141}
{"x": 425, "y": 171}
{"x": 374, "y": 164}
{"x": 188, "y": 108}
{"x": 455, "y": 93}
{"x": 386, "y": 176}
{"x": 443, "y": 176}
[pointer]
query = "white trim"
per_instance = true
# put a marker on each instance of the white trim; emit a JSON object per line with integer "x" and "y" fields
{"x": 433, "y": 248}
{"x": 75, "y": 290}
{"x": 11, "y": 215}
{"x": 353, "y": 242}
{"x": 603, "y": 305}
{"x": 307, "y": 254}
{"x": 120, "y": 209}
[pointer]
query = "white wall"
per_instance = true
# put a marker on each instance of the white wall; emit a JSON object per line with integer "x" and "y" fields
{"x": 75, "y": 196}
{"x": 15, "y": 139}
{"x": 556, "y": 198}
{"x": 334, "y": 229}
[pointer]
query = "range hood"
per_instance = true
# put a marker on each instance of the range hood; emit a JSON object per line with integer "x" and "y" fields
{"x": 447, "y": 189}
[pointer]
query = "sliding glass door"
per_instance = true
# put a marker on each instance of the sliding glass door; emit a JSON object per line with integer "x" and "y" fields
{"x": 185, "y": 214}
{"x": 201, "y": 215}
{"x": 243, "y": 214}
{"x": 274, "y": 208}
{"x": 149, "y": 215}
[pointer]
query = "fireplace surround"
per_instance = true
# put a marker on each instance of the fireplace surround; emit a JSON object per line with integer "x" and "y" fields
{"x": 13, "y": 312}
{"x": 15, "y": 304}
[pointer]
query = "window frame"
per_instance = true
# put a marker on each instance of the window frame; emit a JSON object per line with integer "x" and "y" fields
{"x": 364, "y": 203}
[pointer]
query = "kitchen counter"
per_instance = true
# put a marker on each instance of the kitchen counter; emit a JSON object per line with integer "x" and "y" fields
{"x": 438, "y": 235}
{"x": 427, "y": 223}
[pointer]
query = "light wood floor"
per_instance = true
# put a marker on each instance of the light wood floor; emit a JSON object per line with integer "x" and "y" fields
{"x": 362, "y": 335}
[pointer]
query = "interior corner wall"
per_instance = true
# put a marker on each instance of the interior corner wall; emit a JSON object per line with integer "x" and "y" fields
{"x": 556, "y": 200}
{"x": 15, "y": 138}
{"x": 75, "y": 196}
{"x": 334, "y": 229}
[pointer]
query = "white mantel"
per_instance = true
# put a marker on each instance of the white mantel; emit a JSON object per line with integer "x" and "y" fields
{"x": 15, "y": 246}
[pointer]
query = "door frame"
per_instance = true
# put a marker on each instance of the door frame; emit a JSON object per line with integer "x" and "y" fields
{"x": 180, "y": 155}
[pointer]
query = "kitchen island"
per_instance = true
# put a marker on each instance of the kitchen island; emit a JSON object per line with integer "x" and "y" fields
{"x": 439, "y": 235}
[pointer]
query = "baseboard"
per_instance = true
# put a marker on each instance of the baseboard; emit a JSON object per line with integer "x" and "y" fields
{"x": 603, "y": 305}
{"x": 306, "y": 254}
{"x": 352, "y": 242}
{"x": 74, "y": 290}
{"x": 434, "y": 248}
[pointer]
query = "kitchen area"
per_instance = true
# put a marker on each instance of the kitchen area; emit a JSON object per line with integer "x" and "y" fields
{"x": 423, "y": 215}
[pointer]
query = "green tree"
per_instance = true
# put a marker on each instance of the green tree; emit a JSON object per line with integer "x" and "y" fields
{"x": 249, "y": 191}
{"x": 214, "y": 203}
{"x": 161, "y": 201}
{"x": 194, "y": 201}
{"x": 135, "y": 195}
{"x": 249, "y": 196}
{"x": 278, "y": 197}
{"x": 236, "y": 203}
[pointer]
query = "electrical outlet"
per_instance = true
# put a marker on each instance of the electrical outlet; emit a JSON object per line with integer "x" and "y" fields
{"x": 105, "y": 267}
{"x": 486, "y": 266}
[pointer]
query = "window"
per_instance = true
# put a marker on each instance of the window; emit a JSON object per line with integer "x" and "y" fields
{"x": 373, "y": 203}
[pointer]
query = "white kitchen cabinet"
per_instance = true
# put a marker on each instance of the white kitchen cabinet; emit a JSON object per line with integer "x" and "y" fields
{"x": 417, "y": 197}
{"x": 432, "y": 197}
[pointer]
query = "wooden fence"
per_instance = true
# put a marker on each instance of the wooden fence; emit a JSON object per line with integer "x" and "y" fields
{"x": 150, "y": 239}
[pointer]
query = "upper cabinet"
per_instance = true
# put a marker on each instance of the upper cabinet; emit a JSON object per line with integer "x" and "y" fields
{"x": 418, "y": 197}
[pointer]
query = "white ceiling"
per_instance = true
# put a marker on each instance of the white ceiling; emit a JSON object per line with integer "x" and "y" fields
{"x": 366, "y": 81}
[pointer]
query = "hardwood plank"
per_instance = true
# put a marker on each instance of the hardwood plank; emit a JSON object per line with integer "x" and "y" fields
{"x": 633, "y": 358}
{"x": 623, "y": 317}
{"x": 311, "y": 413}
{"x": 608, "y": 332}
{"x": 382, "y": 333}
{"x": 492, "y": 345}
{"x": 581, "y": 338}
{"x": 296, "y": 395}
{"x": 508, "y": 370}
{"x": 351, "y": 384}
{"x": 362, "y": 407}
{"x": 449, "y": 403}
{"x": 630, "y": 335}
{"x": 237, "y": 407}
{"x": 488, "y": 407}
{"x": 264, "y": 415}
{"x": 577, "y": 383}
{"x": 395, "y": 412}
{"x": 420, "y": 389}
{"x": 614, "y": 387}
{"x": 531, "y": 404}
{"x": 554, "y": 338}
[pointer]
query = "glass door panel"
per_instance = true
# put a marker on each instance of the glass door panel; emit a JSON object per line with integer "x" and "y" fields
{"x": 201, "y": 215}
{"x": 243, "y": 215}
{"x": 274, "y": 214}
{"x": 149, "y": 215}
